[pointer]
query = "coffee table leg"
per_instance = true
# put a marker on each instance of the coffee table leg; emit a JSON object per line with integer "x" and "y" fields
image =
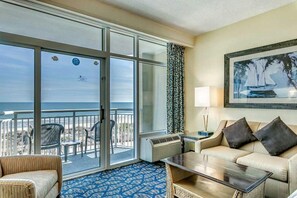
{"x": 173, "y": 175}
{"x": 259, "y": 191}
{"x": 169, "y": 182}
{"x": 65, "y": 152}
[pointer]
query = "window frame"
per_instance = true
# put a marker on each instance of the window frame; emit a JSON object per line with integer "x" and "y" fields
{"x": 105, "y": 54}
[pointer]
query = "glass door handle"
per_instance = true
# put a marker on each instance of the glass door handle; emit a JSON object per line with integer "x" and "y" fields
{"x": 101, "y": 113}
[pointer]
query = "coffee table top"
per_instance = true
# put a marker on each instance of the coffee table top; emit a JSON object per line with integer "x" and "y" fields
{"x": 236, "y": 176}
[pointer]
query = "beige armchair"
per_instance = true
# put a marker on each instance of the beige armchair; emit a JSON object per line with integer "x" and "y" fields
{"x": 35, "y": 176}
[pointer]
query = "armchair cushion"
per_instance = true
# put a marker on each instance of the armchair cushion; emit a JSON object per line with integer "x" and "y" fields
{"x": 276, "y": 137}
{"x": 239, "y": 134}
{"x": 44, "y": 180}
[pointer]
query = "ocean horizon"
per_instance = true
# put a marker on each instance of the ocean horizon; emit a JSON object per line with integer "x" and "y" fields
{"x": 21, "y": 106}
{"x": 29, "y": 106}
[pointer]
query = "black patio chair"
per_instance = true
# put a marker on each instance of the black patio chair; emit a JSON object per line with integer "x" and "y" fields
{"x": 50, "y": 137}
{"x": 96, "y": 135}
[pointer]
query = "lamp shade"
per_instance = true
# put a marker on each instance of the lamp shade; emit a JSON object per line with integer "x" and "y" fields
{"x": 202, "y": 97}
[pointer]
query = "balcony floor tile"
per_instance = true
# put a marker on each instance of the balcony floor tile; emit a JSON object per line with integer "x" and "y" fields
{"x": 76, "y": 163}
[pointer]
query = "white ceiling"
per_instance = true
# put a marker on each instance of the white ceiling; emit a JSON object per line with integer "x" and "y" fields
{"x": 198, "y": 16}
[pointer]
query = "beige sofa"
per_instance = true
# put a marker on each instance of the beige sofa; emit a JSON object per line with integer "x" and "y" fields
{"x": 30, "y": 176}
{"x": 283, "y": 181}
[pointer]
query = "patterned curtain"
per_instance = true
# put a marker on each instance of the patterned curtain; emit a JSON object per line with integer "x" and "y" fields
{"x": 175, "y": 88}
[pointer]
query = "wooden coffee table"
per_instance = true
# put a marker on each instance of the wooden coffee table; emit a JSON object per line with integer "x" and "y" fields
{"x": 199, "y": 176}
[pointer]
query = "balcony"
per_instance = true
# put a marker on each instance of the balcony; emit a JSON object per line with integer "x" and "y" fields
{"x": 17, "y": 124}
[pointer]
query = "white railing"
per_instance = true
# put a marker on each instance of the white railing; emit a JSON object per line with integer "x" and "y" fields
{"x": 13, "y": 131}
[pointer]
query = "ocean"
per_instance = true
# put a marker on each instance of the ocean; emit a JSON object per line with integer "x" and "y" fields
{"x": 29, "y": 106}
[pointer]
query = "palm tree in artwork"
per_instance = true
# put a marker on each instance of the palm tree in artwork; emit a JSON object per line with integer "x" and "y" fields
{"x": 241, "y": 67}
{"x": 288, "y": 61}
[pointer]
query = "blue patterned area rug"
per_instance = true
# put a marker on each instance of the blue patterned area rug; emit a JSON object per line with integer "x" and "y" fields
{"x": 143, "y": 179}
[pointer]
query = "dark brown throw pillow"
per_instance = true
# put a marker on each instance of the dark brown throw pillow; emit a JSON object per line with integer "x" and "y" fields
{"x": 276, "y": 137}
{"x": 239, "y": 134}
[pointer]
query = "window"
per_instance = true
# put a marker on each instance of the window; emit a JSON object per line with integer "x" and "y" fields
{"x": 71, "y": 82}
{"x": 152, "y": 87}
{"x": 153, "y": 96}
{"x": 16, "y": 96}
{"x": 122, "y": 108}
{"x": 121, "y": 44}
{"x": 22, "y": 21}
{"x": 152, "y": 51}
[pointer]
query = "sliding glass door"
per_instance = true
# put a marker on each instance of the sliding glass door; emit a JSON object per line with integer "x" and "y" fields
{"x": 72, "y": 89}
{"x": 70, "y": 103}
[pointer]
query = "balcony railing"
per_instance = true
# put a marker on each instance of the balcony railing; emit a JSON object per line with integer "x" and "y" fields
{"x": 13, "y": 130}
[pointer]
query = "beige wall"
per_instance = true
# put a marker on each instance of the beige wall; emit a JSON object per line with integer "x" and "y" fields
{"x": 97, "y": 9}
{"x": 205, "y": 63}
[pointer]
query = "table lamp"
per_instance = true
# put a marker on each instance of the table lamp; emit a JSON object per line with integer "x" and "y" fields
{"x": 202, "y": 99}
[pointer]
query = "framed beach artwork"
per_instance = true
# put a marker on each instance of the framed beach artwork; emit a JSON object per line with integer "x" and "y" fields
{"x": 263, "y": 77}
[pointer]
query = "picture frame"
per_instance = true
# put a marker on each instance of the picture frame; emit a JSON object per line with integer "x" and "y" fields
{"x": 263, "y": 77}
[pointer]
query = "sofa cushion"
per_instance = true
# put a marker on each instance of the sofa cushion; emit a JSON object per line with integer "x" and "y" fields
{"x": 248, "y": 147}
{"x": 289, "y": 153}
{"x": 44, "y": 180}
{"x": 277, "y": 165}
{"x": 225, "y": 153}
{"x": 253, "y": 125}
{"x": 276, "y": 137}
{"x": 259, "y": 148}
{"x": 239, "y": 134}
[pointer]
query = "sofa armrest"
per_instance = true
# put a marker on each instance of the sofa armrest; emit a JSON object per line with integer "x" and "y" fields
{"x": 25, "y": 163}
{"x": 292, "y": 172}
{"x": 17, "y": 188}
{"x": 214, "y": 140}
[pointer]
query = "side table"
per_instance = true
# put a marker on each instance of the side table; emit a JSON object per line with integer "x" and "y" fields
{"x": 72, "y": 143}
{"x": 191, "y": 137}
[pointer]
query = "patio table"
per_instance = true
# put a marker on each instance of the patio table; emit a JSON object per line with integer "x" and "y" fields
{"x": 72, "y": 143}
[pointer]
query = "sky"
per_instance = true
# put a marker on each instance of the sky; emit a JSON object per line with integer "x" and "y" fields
{"x": 62, "y": 80}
